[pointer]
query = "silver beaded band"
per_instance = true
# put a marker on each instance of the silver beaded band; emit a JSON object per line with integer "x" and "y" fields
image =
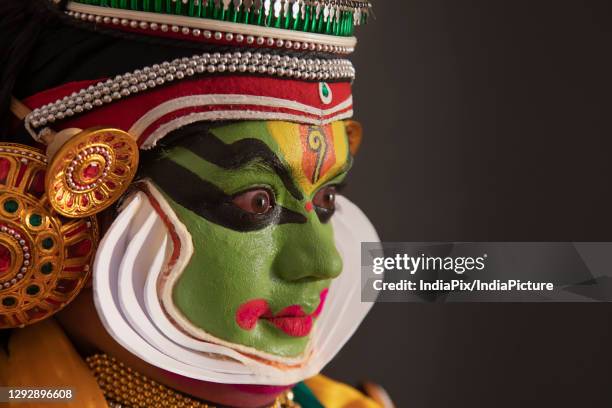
{"x": 21, "y": 152}
{"x": 213, "y": 30}
{"x": 157, "y": 75}
{"x": 25, "y": 265}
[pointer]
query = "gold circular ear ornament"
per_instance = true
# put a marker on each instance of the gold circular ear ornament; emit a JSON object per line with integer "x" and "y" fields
{"x": 45, "y": 259}
{"x": 91, "y": 171}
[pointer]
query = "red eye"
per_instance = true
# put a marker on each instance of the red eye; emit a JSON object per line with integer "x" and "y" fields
{"x": 257, "y": 201}
{"x": 325, "y": 198}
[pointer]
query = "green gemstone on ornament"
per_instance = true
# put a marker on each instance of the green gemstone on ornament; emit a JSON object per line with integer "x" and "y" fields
{"x": 47, "y": 268}
{"x": 35, "y": 220}
{"x": 9, "y": 301}
{"x": 11, "y": 206}
{"x": 32, "y": 290}
{"x": 47, "y": 243}
{"x": 325, "y": 90}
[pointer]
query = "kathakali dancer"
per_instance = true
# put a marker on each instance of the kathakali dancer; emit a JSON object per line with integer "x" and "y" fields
{"x": 170, "y": 230}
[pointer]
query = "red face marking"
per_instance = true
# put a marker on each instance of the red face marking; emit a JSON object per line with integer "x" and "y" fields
{"x": 318, "y": 147}
{"x": 292, "y": 320}
{"x": 308, "y": 207}
{"x": 323, "y": 298}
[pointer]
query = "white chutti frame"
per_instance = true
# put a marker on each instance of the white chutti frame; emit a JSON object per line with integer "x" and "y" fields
{"x": 134, "y": 252}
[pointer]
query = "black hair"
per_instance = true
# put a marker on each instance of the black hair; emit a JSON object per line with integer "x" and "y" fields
{"x": 21, "y": 23}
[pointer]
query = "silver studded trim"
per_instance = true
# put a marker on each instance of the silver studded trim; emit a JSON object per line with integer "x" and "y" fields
{"x": 20, "y": 152}
{"x": 204, "y": 29}
{"x": 25, "y": 265}
{"x": 140, "y": 80}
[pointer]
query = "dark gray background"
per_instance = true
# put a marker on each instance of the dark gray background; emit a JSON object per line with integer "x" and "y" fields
{"x": 485, "y": 120}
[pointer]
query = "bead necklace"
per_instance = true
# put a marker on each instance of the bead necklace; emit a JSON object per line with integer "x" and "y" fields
{"x": 123, "y": 387}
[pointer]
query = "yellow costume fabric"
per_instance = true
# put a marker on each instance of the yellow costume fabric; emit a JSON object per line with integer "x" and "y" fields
{"x": 333, "y": 394}
{"x": 41, "y": 356}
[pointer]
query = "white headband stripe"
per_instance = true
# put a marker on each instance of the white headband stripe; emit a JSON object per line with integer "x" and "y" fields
{"x": 177, "y": 123}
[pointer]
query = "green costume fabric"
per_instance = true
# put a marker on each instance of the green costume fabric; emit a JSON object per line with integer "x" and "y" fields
{"x": 305, "y": 397}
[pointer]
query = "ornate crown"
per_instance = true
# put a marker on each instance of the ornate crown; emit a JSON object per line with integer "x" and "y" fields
{"x": 321, "y": 25}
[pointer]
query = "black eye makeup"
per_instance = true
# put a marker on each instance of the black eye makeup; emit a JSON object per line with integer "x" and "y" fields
{"x": 324, "y": 202}
{"x": 250, "y": 210}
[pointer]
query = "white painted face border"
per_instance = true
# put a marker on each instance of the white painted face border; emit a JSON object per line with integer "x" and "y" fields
{"x": 135, "y": 251}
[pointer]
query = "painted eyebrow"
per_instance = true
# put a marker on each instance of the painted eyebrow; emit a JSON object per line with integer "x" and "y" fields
{"x": 202, "y": 142}
{"x": 209, "y": 201}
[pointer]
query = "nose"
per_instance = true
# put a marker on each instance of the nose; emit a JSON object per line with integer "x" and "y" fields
{"x": 308, "y": 257}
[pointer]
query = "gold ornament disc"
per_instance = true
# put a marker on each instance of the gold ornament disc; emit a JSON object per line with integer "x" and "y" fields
{"x": 91, "y": 171}
{"x": 45, "y": 259}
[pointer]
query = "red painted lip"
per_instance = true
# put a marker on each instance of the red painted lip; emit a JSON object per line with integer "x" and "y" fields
{"x": 292, "y": 320}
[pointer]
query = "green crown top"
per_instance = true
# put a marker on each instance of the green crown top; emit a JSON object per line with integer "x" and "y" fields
{"x": 333, "y": 17}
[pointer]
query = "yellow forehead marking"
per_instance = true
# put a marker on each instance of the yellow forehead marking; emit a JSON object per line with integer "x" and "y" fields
{"x": 314, "y": 154}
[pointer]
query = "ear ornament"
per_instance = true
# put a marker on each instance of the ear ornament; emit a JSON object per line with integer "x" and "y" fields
{"x": 91, "y": 171}
{"x": 45, "y": 259}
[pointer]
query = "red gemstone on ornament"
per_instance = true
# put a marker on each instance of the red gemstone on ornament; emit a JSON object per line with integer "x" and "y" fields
{"x": 5, "y": 259}
{"x": 82, "y": 227}
{"x": 36, "y": 313}
{"x": 54, "y": 303}
{"x": 66, "y": 286}
{"x": 92, "y": 171}
{"x": 22, "y": 169}
{"x": 78, "y": 268}
{"x": 80, "y": 249}
{"x": 5, "y": 166}
{"x": 37, "y": 187}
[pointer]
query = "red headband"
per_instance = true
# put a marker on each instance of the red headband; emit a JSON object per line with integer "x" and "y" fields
{"x": 149, "y": 116}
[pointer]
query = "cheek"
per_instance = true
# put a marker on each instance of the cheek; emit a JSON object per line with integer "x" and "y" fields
{"x": 227, "y": 267}
{"x": 235, "y": 255}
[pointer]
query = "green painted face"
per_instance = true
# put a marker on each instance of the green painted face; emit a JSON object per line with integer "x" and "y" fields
{"x": 257, "y": 198}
